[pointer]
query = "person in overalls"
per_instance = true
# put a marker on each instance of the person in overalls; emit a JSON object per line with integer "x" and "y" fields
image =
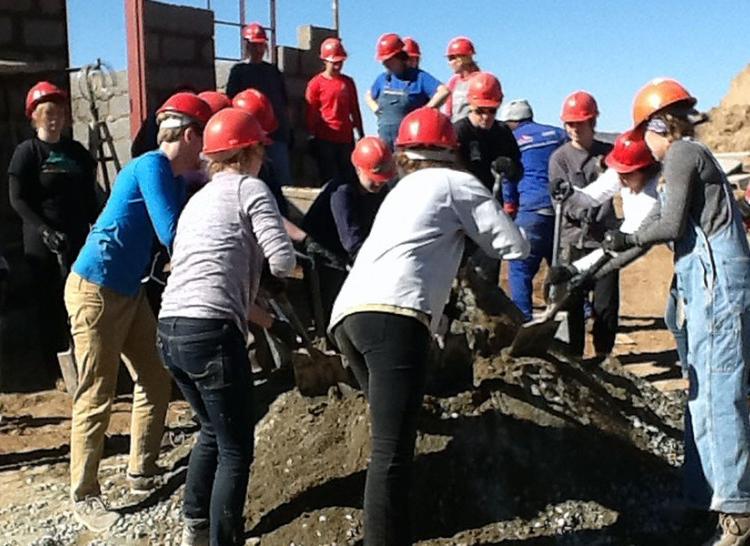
{"x": 400, "y": 89}
{"x": 712, "y": 265}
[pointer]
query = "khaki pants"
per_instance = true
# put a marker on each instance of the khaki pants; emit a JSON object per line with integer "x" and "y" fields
{"x": 106, "y": 325}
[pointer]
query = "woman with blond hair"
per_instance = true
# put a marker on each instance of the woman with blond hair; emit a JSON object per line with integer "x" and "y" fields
{"x": 52, "y": 187}
{"x": 224, "y": 235}
{"x": 712, "y": 264}
{"x": 394, "y": 296}
{"x": 460, "y": 54}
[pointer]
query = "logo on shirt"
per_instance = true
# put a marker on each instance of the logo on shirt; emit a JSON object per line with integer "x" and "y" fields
{"x": 524, "y": 139}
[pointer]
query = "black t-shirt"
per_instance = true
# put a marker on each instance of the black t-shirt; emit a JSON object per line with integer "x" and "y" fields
{"x": 53, "y": 185}
{"x": 267, "y": 79}
{"x": 478, "y": 148}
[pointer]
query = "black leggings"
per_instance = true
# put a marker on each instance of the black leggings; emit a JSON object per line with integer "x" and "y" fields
{"x": 388, "y": 355}
{"x": 606, "y": 311}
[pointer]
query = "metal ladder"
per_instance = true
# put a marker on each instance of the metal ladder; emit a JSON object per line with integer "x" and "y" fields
{"x": 96, "y": 82}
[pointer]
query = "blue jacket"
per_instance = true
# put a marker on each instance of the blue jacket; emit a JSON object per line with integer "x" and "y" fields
{"x": 146, "y": 201}
{"x": 536, "y": 142}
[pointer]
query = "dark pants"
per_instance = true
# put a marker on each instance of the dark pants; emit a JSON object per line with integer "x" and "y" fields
{"x": 47, "y": 293}
{"x": 335, "y": 160}
{"x": 388, "y": 355}
{"x": 208, "y": 360}
{"x": 606, "y": 310}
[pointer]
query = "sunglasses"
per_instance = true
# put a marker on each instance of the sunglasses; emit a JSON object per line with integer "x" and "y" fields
{"x": 453, "y": 57}
{"x": 485, "y": 111}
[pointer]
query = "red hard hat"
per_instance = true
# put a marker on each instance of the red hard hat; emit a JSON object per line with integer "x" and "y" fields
{"x": 485, "y": 91}
{"x": 460, "y": 46}
{"x": 43, "y": 92}
{"x": 232, "y": 129}
{"x": 579, "y": 106}
{"x": 187, "y": 104}
{"x": 373, "y": 156}
{"x": 426, "y": 127}
{"x": 411, "y": 47}
{"x": 216, "y": 100}
{"x": 389, "y": 45}
{"x": 256, "y": 103}
{"x": 656, "y": 95}
{"x": 254, "y": 33}
{"x": 332, "y": 50}
{"x": 629, "y": 153}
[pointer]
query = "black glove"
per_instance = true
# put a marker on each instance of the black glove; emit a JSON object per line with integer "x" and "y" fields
{"x": 55, "y": 241}
{"x": 502, "y": 166}
{"x": 560, "y": 189}
{"x": 582, "y": 281}
{"x": 282, "y": 330}
{"x": 617, "y": 241}
{"x": 317, "y": 251}
{"x": 560, "y": 274}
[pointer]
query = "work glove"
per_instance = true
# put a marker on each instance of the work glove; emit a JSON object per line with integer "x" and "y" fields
{"x": 560, "y": 274}
{"x": 561, "y": 189}
{"x": 55, "y": 241}
{"x": 503, "y": 166}
{"x": 582, "y": 281}
{"x": 317, "y": 251}
{"x": 617, "y": 241}
{"x": 283, "y": 331}
{"x": 511, "y": 209}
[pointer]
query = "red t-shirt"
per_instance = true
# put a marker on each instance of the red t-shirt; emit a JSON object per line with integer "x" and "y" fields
{"x": 332, "y": 108}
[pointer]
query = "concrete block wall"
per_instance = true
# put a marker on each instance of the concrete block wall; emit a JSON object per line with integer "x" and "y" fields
{"x": 179, "y": 49}
{"x": 114, "y": 108}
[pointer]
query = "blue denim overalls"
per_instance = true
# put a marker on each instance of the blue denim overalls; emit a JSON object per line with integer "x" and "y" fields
{"x": 713, "y": 280}
{"x": 393, "y": 105}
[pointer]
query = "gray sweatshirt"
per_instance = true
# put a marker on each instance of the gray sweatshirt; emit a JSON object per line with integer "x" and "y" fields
{"x": 581, "y": 168}
{"x": 694, "y": 188}
{"x": 223, "y": 235}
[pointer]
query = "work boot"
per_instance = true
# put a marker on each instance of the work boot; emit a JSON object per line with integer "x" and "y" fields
{"x": 195, "y": 533}
{"x": 734, "y": 530}
{"x": 144, "y": 483}
{"x": 94, "y": 514}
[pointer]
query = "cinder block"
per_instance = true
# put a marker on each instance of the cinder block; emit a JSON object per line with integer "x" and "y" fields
{"x": 207, "y": 51}
{"x": 295, "y": 87}
{"x": 310, "y": 64}
{"x": 44, "y": 33}
{"x": 17, "y": 5}
{"x": 51, "y": 7}
{"x": 288, "y": 60}
{"x": 6, "y": 30}
{"x": 177, "y": 49}
{"x": 221, "y": 71}
{"x": 119, "y": 105}
{"x": 174, "y": 19}
{"x": 317, "y": 35}
{"x": 120, "y": 128}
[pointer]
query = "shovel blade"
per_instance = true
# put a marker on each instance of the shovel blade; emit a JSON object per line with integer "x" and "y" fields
{"x": 315, "y": 372}
{"x": 535, "y": 337}
{"x": 67, "y": 361}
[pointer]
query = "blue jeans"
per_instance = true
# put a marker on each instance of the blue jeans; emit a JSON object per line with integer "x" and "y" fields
{"x": 676, "y": 325}
{"x": 278, "y": 153}
{"x": 713, "y": 280}
{"x": 539, "y": 230}
{"x": 208, "y": 360}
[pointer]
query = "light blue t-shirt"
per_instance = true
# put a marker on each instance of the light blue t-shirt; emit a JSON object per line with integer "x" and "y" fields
{"x": 146, "y": 201}
{"x": 419, "y": 85}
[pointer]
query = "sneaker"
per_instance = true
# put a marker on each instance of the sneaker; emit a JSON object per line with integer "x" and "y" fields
{"x": 94, "y": 514}
{"x": 734, "y": 530}
{"x": 142, "y": 484}
{"x": 195, "y": 533}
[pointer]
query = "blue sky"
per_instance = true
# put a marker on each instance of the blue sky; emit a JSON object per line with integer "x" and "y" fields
{"x": 540, "y": 49}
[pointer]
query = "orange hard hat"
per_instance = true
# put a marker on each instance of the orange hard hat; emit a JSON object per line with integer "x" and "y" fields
{"x": 373, "y": 156}
{"x": 43, "y": 92}
{"x": 254, "y": 33}
{"x": 629, "y": 153}
{"x": 389, "y": 45}
{"x": 332, "y": 50}
{"x": 411, "y": 48}
{"x": 426, "y": 127}
{"x": 657, "y": 95}
{"x": 232, "y": 129}
{"x": 485, "y": 90}
{"x": 256, "y": 103}
{"x": 216, "y": 100}
{"x": 579, "y": 106}
{"x": 187, "y": 104}
{"x": 460, "y": 46}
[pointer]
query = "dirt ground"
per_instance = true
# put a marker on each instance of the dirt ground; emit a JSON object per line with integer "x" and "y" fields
{"x": 534, "y": 452}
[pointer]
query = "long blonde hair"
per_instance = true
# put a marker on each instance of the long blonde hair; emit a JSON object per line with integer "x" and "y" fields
{"x": 237, "y": 160}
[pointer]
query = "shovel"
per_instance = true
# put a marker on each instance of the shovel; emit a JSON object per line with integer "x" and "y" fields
{"x": 67, "y": 359}
{"x": 535, "y": 337}
{"x": 317, "y": 371}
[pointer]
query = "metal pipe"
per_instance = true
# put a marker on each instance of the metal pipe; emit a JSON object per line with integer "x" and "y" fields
{"x": 242, "y": 24}
{"x": 134, "y": 13}
{"x": 336, "y": 21}
{"x": 272, "y": 17}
